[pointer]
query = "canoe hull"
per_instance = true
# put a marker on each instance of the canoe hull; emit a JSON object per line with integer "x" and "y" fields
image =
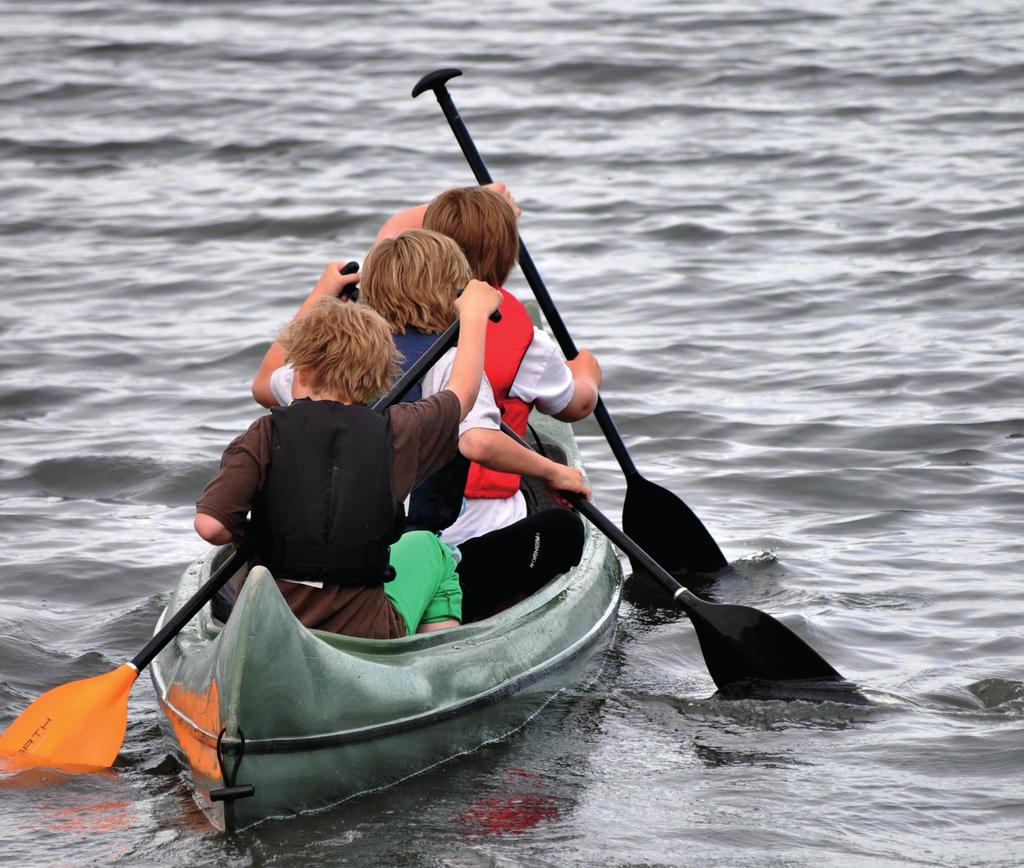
{"x": 338, "y": 766}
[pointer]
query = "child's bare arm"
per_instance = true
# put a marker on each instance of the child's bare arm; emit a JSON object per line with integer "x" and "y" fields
{"x": 331, "y": 282}
{"x": 412, "y": 218}
{"x": 498, "y": 451}
{"x": 211, "y": 530}
{"x": 586, "y": 378}
{"x": 478, "y": 301}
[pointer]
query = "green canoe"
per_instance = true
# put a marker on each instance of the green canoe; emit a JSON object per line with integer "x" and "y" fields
{"x": 274, "y": 719}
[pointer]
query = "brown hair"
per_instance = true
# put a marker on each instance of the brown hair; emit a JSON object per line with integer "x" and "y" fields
{"x": 483, "y": 224}
{"x": 345, "y": 350}
{"x": 411, "y": 280}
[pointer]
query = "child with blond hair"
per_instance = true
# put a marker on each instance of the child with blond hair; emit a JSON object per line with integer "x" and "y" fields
{"x": 324, "y": 477}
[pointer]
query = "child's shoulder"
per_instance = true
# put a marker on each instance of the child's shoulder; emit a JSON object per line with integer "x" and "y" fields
{"x": 437, "y": 412}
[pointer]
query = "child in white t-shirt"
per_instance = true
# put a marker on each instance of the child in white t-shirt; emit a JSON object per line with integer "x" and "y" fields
{"x": 525, "y": 369}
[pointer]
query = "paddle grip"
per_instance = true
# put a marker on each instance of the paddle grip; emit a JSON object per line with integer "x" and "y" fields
{"x": 351, "y": 292}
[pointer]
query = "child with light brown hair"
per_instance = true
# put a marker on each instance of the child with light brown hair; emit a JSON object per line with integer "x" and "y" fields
{"x": 325, "y": 477}
{"x": 523, "y": 365}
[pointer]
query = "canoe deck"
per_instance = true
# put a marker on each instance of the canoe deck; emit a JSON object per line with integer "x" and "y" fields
{"x": 310, "y": 718}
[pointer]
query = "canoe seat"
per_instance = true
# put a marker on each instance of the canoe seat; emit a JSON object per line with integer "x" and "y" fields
{"x": 536, "y": 492}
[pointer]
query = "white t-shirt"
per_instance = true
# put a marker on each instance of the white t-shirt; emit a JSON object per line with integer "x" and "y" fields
{"x": 543, "y": 379}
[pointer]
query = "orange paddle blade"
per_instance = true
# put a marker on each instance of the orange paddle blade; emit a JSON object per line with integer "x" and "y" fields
{"x": 78, "y": 724}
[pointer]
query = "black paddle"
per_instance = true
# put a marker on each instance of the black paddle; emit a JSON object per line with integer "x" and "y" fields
{"x": 739, "y": 644}
{"x": 82, "y": 723}
{"x": 666, "y": 527}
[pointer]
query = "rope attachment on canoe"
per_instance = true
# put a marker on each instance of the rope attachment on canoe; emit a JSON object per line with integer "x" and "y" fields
{"x": 231, "y": 791}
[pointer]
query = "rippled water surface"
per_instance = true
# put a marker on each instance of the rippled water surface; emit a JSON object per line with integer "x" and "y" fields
{"x": 792, "y": 232}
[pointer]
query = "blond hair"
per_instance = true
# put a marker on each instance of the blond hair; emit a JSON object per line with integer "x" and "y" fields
{"x": 411, "y": 280}
{"x": 483, "y": 224}
{"x": 345, "y": 350}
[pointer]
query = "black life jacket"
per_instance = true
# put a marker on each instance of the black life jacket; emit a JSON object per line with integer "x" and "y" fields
{"x": 437, "y": 501}
{"x": 328, "y": 511}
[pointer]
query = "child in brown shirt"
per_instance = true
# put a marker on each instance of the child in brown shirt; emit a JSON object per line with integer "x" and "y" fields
{"x": 325, "y": 477}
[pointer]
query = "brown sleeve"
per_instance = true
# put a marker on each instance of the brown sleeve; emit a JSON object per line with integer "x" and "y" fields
{"x": 243, "y": 471}
{"x": 426, "y": 437}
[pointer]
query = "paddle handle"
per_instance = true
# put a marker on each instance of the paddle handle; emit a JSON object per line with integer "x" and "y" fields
{"x": 435, "y": 81}
{"x": 351, "y": 292}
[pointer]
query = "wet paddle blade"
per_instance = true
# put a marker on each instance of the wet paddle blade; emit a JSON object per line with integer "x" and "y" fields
{"x": 667, "y": 529}
{"x": 77, "y": 724}
{"x": 742, "y": 644}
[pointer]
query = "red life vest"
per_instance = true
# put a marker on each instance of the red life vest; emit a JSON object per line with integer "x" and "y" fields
{"x": 507, "y": 343}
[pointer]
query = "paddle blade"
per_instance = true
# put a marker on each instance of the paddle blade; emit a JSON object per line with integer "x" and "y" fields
{"x": 742, "y": 644}
{"x": 667, "y": 529}
{"x": 77, "y": 724}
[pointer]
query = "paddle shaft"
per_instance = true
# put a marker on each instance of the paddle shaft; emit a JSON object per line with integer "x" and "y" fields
{"x": 614, "y": 533}
{"x": 187, "y": 612}
{"x": 739, "y": 643}
{"x": 448, "y": 338}
{"x": 417, "y": 369}
{"x": 540, "y": 292}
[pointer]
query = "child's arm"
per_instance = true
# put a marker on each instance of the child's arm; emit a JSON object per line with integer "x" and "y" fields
{"x": 586, "y": 379}
{"x": 568, "y": 391}
{"x": 412, "y": 218}
{"x": 478, "y": 301}
{"x": 225, "y": 502}
{"x": 497, "y": 451}
{"x": 331, "y": 282}
{"x": 211, "y": 530}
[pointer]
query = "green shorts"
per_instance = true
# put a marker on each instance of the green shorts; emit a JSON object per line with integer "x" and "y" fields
{"x": 426, "y": 587}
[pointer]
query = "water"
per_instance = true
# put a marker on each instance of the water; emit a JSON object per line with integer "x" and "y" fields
{"x": 791, "y": 233}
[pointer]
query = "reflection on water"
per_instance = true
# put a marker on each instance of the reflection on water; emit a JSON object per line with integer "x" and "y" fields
{"x": 525, "y": 800}
{"x": 92, "y": 817}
